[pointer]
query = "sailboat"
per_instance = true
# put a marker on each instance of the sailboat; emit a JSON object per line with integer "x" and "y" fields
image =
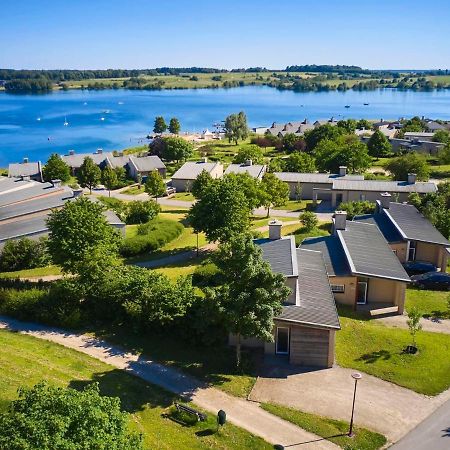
{"x": 38, "y": 119}
{"x": 65, "y": 121}
{"x": 102, "y": 118}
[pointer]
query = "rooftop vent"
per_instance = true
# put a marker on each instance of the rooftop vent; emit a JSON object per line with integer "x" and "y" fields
{"x": 275, "y": 229}
{"x": 342, "y": 171}
{"x": 385, "y": 200}
{"x": 412, "y": 177}
{"x": 25, "y": 160}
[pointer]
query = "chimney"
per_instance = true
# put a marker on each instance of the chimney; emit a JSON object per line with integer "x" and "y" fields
{"x": 412, "y": 178}
{"x": 77, "y": 193}
{"x": 25, "y": 160}
{"x": 71, "y": 152}
{"x": 99, "y": 151}
{"x": 342, "y": 171}
{"x": 26, "y": 178}
{"x": 56, "y": 183}
{"x": 204, "y": 159}
{"x": 340, "y": 220}
{"x": 385, "y": 200}
{"x": 275, "y": 229}
{"x": 249, "y": 162}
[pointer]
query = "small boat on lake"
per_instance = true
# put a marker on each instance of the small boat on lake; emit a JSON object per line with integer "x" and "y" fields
{"x": 120, "y": 103}
{"x": 366, "y": 104}
{"x": 106, "y": 111}
{"x": 38, "y": 119}
{"x": 102, "y": 118}
{"x": 347, "y": 106}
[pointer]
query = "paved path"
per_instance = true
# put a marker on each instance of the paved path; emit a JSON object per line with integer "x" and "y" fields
{"x": 381, "y": 406}
{"x": 435, "y": 326}
{"x": 432, "y": 434}
{"x": 245, "y": 414}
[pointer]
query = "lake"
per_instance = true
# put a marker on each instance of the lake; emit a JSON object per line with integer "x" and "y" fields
{"x": 33, "y": 125}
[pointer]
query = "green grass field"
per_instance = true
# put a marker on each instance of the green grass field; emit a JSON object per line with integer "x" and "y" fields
{"x": 134, "y": 190}
{"x": 26, "y": 360}
{"x": 330, "y": 429}
{"x": 378, "y": 350}
{"x": 184, "y": 196}
{"x": 429, "y": 303}
{"x": 32, "y": 273}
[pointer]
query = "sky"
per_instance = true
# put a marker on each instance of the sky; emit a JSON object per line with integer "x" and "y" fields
{"x": 100, "y": 34}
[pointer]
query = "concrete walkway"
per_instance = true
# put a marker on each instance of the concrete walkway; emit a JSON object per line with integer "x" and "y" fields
{"x": 245, "y": 414}
{"x": 380, "y": 406}
{"x": 433, "y": 325}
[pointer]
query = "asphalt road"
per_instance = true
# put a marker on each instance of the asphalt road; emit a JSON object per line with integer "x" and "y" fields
{"x": 431, "y": 434}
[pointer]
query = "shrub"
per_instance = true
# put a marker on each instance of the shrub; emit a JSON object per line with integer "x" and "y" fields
{"x": 23, "y": 304}
{"x": 309, "y": 220}
{"x": 207, "y": 274}
{"x": 357, "y": 208}
{"x": 141, "y": 212}
{"x": 24, "y": 254}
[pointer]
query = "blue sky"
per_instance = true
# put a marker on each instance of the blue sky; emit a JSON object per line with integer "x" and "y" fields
{"x": 103, "y": 34}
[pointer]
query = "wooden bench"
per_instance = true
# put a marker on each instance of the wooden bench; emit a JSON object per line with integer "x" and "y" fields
{"x": 200, "y": 416}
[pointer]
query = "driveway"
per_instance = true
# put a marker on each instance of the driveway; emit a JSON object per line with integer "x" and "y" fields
{"x": 380, "y": 406}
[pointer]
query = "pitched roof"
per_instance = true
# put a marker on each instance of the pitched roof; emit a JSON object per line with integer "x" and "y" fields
{"x": 76, "y": 160}
{"x": 147, "y": 163}
{"x": 317, "y": 306}
{"x": 296, "y": 177}
{"x": 280, "y": 254}
{"x": 390, "y": 232}
{"x": 368, "y": 252}
{"x": 413, "y": 225}
{"x": 383, "y": 186}
{"x": 191, "y": 170}
{"x": 24, "y": 169}
{"x": 25, "y": 190}
{"x": 254, "y": 170}
{"x": 332, "y": 252}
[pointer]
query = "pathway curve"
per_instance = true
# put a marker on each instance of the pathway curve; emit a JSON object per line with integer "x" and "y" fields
{"x": 245, "y": 414}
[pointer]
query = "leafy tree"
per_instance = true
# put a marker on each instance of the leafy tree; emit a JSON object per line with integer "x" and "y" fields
{"x": 413, "y": 322}
{"x": 109, "y": 179}
{"x": 378, "y": 145}
{"x": 160, "y": 125}
{"x": 413, "y": 125}
{"x": 121, "y": 174}
{"x": 277, "y": 164}
{"x": 141, "y": 212}
{"x": 249, "y": 152}
{"x": 56, "y": 169}
{"x": 412, "y": 162}
{"x": 89, "y": 174}
{"x": 174, "y": 125}
{"x": 300, "y": 162}
{"x": 293, "y": 143}
{"x": 444, "y": 154}
{"x": 24, "y": 254}
{"x": 251, "y": 187}
{"x": 154, "y": 185}
{"x": 177, "y": 149}
{"x": 321, "y": 133}
{"x": 201, "y": 183}
{"x": 275, "y": 191}
{"x": 349, "y": 125}
{"x": 363, "y": 124}
{"x": 357, "y": 208}
{"x": 47, "y": 417}
{"x": 298, "y": 191}
{"x": 309, "y": 220}
{"x": 441, "y": 136}
{"x": 75, "y": 230}
{"x": 251, "y": 295}
{"x": 236, "y": 127}
{"x": 221, "y": 212}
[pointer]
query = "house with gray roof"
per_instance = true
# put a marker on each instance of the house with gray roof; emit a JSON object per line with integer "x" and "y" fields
{"x": 363, "y": 270}
{"x": 254, "y": 170}
{"x": 183, "y": 178}
{"x": 411, "y": 236}
{"x": 26, "y": 170}
{"x": 297, "y": 128}
{"x": 304, "y": 332}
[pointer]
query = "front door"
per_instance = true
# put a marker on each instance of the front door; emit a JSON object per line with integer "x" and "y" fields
{"x": 282, "y": 343}
{"x": 362, "y": 293}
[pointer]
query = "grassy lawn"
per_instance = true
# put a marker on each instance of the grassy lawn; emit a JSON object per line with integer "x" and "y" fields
{"x": 185, "y": 196}
{"x": 26, "y": 360}
{"x": 295, "y": 206}
{"x": 330, "y": 429}
{"x": 378, "y": 350}
{"x": 257, "y": 222}
{"x": 134, "y": 190}
{"x": 430, "y": 303}
{"x": 173, "y": 271}
{"x": 38, "y": 272}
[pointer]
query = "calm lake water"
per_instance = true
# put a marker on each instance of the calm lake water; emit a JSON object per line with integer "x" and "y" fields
{"x": 131, "y": 113}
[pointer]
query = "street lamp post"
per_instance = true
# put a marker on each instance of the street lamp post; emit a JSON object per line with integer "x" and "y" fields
{"x": 356, "y": 376}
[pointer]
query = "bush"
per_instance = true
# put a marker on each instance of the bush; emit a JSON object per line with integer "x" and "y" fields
{"x": 207, "y": 274}
{"x": 141, "y": 212}
{"x": 23, "y": 304}
{"x": 357, "y": 208}
{"x": 309, "y": 220}
{"x": 24, "y": 254}
{"x": 151, "y": 236}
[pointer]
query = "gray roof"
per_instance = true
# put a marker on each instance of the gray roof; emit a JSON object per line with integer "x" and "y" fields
{"x": 254, "y": 170}
{"x": 280, "y": 254}
{"x": 24, "y": 169}
{"x": 412, "y": 225}
{"x": 390, "y": 232}
{"x": 26, "y": 191}
{"x": 147, "y": 163}
{"x": 383, "y": 186}
{"x": 296, "y": 177}
{"x": 332, "y": 252}
{"x": 368, "y": 252}
{"x": 191, "y": 170}
{"x": 26, "y": 226}
{"x": 76, "y": 160}
{"x": 317, "y": 306}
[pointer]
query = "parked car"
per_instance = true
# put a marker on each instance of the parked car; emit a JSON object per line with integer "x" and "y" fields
{"x": 438, "y": 281}
{"x": 419, "y": 267}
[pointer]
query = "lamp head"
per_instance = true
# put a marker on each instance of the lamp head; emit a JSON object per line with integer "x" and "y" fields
{"x": 356, "y": 376}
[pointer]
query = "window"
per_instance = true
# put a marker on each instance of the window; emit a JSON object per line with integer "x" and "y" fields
{"x": 338, "y": 288}
{"x": 282, "y": 343}
{"x": 412, "y": 251}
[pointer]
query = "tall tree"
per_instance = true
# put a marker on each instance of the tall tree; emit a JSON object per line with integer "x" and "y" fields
{"x": 176, "y": 149}
{"x": 47, "y": 417}
{"x": 275, "y": 191}
{"x": 89, "y": 174}
{"x": 412, "y": 162}
{"x": 201, "y": 183}
{"x": 251, "y": 295}
{"x": 363, "y": 124}
{"x": 293, "y": 143}
{"x": 174, "y": 125}
{"x": 75, "y": 230}
{"x": 378, "y": 145}
{"x": 56, "y": 169}
{"x": 321, "y": 133}
{"x": 250, "y": 152}
{"x": 160, "y": 125}
{"x": 154, "y": 185}
{"x": 236, "y": 127}
{"x": 300, "y": 162}
{"x": 109, "y": 179}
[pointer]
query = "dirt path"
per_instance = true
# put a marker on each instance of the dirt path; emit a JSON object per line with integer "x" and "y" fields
{"x": 435, "y": 326}
{"x": 245, "y": 414}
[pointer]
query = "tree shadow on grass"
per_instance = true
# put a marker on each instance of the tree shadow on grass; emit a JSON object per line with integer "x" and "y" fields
{"x": 373, "y": 357}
